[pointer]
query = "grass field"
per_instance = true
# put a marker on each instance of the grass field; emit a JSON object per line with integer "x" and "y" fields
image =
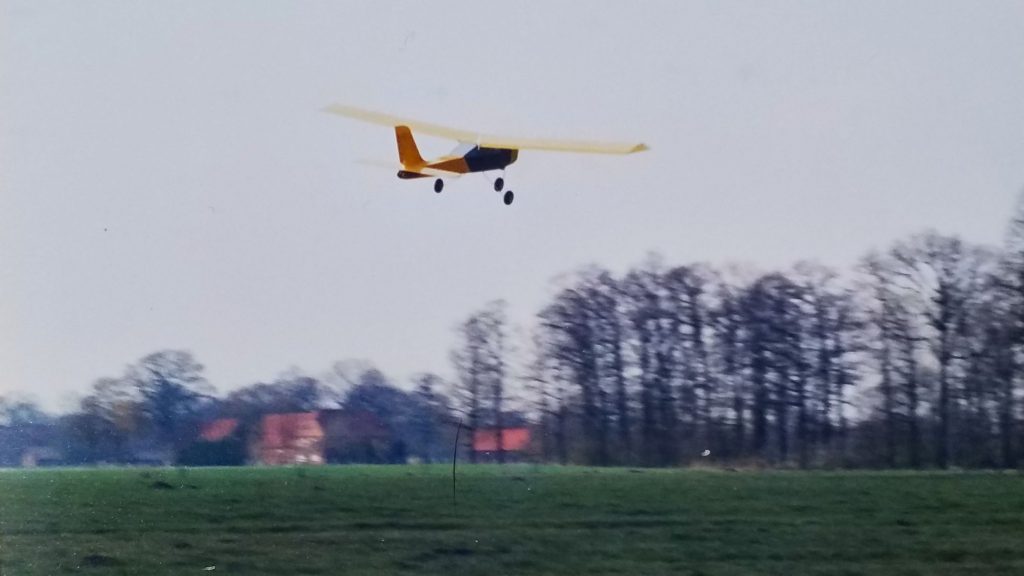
{"x": 511, "y": 520}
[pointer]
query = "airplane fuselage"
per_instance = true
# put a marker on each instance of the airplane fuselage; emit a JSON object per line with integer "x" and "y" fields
{"x": 483, "y": 159}
{"x": 478, "y": 159}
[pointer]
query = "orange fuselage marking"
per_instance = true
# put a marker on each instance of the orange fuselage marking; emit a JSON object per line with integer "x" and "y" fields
{"x": 455, "y": 164}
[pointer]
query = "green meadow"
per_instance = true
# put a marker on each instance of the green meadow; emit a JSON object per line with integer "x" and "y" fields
{"x": 516, "y": 519}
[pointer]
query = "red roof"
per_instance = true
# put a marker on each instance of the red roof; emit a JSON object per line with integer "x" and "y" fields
{"x": 512, "y": 440}
{"x": 282, "y": 430}
{"x": 218, "y": 429}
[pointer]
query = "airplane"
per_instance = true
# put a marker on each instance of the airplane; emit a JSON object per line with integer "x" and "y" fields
{"x": 475, "y": 152}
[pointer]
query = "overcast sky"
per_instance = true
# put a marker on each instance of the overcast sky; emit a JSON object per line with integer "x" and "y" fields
{"x": 167, "y": 179}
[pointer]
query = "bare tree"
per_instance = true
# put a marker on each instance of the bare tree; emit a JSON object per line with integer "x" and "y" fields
{"x": 728, "y": 358}
{"x": 1008, "y": 337}
{"x": 688, "y": 302}
{"x": 938, "y": 275}
{"x": 569, "y": 323}
{"x": 652, "y": 349}
{"x": 173, "y": 389}
{"x": 481, "y": 364}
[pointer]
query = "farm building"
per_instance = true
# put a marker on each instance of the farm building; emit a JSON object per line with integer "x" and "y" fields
{"x": 29, "y": 445}
{"x": 293, "y": 438}
{"x": 35, "y": 456}
{"x": 218, "y": 430}
{"x": 513, "y": 442}
{"x": 336, "y": 436}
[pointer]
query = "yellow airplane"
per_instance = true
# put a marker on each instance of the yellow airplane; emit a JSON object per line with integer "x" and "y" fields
{"x": 475, "y": 153}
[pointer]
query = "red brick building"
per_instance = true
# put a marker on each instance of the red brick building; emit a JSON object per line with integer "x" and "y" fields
{"x": 218, "y": 430}
{"x": 294, "y": 438}
{"x": 514, "y": 442}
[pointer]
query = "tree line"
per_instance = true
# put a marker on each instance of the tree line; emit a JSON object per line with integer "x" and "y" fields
{"x": 911, "y": 358}
{"x": 154, "y": 411}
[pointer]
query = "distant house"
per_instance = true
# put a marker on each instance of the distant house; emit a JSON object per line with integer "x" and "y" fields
{"x": 35, "y": 456}
{"x": 514, "y": 442}
{"x": 29, "y": 445}
{"x": 293, "y": 438}
{"x": 218, "y": 430}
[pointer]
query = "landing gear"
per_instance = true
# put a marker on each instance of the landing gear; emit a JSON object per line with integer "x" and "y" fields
{"x": 507, "y": 199}
{"x": 499, "y": 184}
{"x": 438, "y": 185}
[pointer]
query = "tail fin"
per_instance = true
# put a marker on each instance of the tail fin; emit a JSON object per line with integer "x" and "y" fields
{"x": 408, "y": 154}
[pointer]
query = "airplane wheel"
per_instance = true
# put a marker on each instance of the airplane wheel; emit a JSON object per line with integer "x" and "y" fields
{"x": 509, "y": 196}
{"x": 499, "y": 184}
{"x": 438, "y": 185}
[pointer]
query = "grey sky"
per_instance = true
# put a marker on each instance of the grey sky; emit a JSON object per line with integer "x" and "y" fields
{"x": 167, "y": 178}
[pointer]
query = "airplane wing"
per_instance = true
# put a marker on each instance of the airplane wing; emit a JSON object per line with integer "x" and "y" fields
{"x": 487, "y": 140}
{"x": 581, "y": 146}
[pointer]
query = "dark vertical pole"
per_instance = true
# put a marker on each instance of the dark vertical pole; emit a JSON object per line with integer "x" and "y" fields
{"x": 455, "y": 454}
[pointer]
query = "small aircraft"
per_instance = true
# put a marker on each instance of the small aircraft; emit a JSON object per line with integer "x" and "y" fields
{"x": 475, "y": 152}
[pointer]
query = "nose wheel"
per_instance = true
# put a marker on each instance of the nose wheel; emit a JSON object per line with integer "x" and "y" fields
{"x": 508, "y": 198}
{"x": 438, "y": 185}
{"x": 499, "y": 184}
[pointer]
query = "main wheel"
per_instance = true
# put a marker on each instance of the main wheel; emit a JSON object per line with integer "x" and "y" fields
{"x": 438, "y": 185}
{"x": 509, "y": 196}
{"x": 499, "y": 184}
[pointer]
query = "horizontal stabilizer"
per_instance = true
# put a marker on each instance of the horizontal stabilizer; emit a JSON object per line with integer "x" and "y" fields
{"x": 437, "y": 173}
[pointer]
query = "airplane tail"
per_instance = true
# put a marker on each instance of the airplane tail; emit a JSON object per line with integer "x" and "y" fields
{"x": 408, "y": 153}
